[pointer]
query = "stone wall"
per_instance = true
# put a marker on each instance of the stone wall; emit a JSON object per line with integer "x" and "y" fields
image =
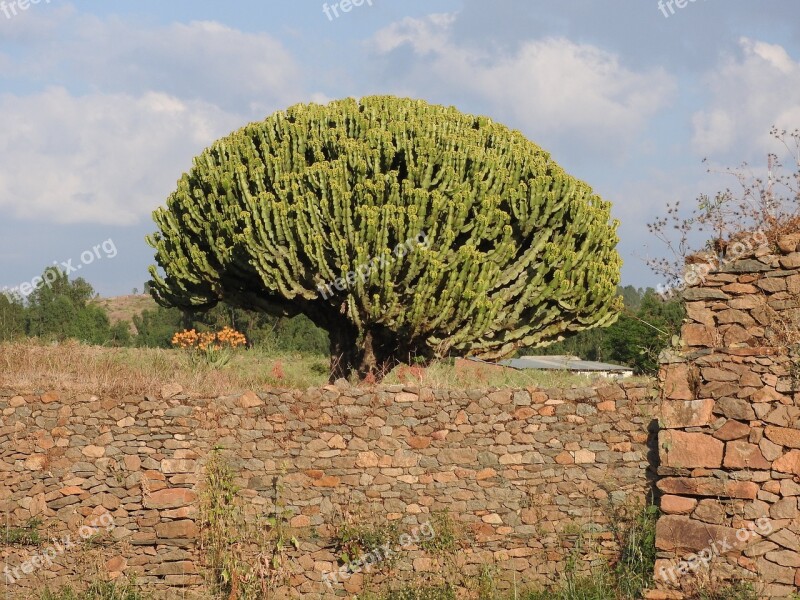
{"x": 730, "y": 444}
{"x": 519, "y": 471}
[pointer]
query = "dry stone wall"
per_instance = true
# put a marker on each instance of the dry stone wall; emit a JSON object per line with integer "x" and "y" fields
{"x": 730, "y": 443}
{"x": 519, "y": 471}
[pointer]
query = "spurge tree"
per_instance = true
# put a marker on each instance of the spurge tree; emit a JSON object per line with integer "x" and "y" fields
{"x": 404, "y": 229}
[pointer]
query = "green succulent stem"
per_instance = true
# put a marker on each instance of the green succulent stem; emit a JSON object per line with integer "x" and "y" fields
{"x": 517, "y": 254}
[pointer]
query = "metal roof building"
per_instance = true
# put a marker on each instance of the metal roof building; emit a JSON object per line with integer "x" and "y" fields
{"x": 567, "y": 363}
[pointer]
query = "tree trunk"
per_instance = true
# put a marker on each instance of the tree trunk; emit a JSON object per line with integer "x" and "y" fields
{"x": 379, "y": 355}
{"x": 373, "y": 358}
{"x": 344, "y": 351}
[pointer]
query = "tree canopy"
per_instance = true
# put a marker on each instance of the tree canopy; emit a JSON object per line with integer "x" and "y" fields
{"x": 402, "y": 228}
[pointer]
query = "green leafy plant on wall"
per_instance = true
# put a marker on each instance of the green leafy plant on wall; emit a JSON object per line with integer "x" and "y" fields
{"x": 357, "y": 536}
{"x": 25, "y": 535}
{"x": 244, "y": 552}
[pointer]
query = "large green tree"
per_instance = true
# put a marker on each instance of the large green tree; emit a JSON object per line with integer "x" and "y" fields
{"x": 12, "y": 317}
{"x": 61, "y": 309}
{"x": 402, "y": 228}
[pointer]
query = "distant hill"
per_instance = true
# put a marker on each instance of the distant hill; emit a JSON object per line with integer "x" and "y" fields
{"x": 122, "y": 308}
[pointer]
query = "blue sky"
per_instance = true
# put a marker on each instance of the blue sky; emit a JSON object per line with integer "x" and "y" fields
{"x": 104, "y": 104}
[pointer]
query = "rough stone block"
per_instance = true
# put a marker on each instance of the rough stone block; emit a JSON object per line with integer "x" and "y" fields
{"x": 708, "y": 486}
{"x": 688, "y": 450}
{"x": 681, "y": 534}
{"x": 742, "y": 455}
{"x": 677, "y": 414}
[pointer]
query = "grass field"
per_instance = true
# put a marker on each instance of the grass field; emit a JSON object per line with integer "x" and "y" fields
{"x": 31, "y": 365}
{"x": 123, "y": 308}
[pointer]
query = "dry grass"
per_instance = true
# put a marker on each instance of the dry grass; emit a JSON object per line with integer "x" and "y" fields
{"x": 33, "y": 367}
{"x": 28, "y": 367}
{"x": 123, "y": 308}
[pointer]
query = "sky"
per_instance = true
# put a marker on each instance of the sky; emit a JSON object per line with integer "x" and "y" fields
{"x": 104, "y": 104}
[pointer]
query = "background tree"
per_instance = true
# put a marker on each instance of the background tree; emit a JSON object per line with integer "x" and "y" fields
{"x": 638, "y": 337}
{"x": 644, "y": 328}
{"x": 155, "y": 328}
{"x": 61, "y": 309}
{"x": 519, "y": 253}
{"x": 12, "y": 317}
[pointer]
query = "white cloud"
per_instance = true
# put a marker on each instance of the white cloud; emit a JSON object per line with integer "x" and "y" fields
{"x": 424, "y": 35}
{"x": 554, "y": 88}
{"x": 141, "y": 102}
{"x": 749, "y": 93}
{"x": 206, "y": 60}
{"x": 99, "y": 158}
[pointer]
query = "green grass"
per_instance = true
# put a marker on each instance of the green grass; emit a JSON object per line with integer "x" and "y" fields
{"x": 634, "y": 529}
{"x": 738, "y": 591}
{"x": 27, "y": 535}
{"x": 600, "y": 586}
{"x": 99, "y": 590}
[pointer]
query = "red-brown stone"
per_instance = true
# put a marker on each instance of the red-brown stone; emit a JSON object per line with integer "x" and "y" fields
{"x": 185, "y": 529}
{"x": 676, "y": 382}
{"x": 708, "y": 486}
{"x": 677, "y": 505}
{"x": 687, "y": 450}
{"x": 327, "y": 481}
{"x": 170, "y": 498}
{"x": 682, "y": 535}
{"x": 418, "y": 442}
{"x": 732, "y": 430}
{"x": 697, "y": 335}
{"x": 676, "y": 414}
{"x": 788, "y": 463}
{"x": 741, "y": 455}
{"x": 783, "y": 436}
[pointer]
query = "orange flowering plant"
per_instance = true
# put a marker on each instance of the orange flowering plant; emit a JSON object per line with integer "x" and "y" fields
{"x": 214, "y": 348}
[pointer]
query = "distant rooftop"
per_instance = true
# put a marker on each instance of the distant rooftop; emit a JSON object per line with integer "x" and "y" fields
{"x": 562, "y": 363}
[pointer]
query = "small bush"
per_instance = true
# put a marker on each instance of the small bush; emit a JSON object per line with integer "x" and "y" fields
{"x": 356, "y": 540}
{"x": 445, "y": 538}
{"x": 741, "y": 590}
{"x": 415, "y": 592}
{"x": 99, "y": 590}
{"x": 26, "y": 535}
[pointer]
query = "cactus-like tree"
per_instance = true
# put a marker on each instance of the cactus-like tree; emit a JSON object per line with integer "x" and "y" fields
{"x": 402, "y": 228}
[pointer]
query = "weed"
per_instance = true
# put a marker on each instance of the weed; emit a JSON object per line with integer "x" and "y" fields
{"x": 486, "y": 587}
{"x": 220, "y": 519}
{"x": 446, "y": 538}
{"x": 354, "y": 540}
{"x": 99, "y": 590}
{"x": 414, "y": 592}
{"x": 243, "y": 552}
{"x": 741, "y": 590}
{"x": 26, "y": 535}
{"x": 634, "y": 528}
